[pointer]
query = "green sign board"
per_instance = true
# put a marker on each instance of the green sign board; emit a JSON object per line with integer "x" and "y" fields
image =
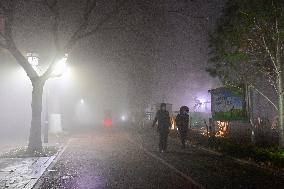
{"x": 228, "y": 104}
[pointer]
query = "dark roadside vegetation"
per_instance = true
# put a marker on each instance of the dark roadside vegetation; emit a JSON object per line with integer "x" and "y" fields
{"x": 267, "y": 156}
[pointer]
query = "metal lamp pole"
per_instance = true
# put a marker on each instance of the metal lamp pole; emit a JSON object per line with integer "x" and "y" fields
{"x": 46, "y": 121}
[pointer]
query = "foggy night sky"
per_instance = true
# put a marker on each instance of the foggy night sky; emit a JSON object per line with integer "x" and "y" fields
{"x": 159, "y": 54}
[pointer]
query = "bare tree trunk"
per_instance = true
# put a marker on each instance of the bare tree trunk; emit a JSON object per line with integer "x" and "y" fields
{"x": 35, "y": 142}
{"x": 280, "y": 111}
{"x": 249, "y": 106}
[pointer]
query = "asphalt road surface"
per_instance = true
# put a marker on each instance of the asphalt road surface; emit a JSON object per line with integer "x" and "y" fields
{"x": 127, "y": 158}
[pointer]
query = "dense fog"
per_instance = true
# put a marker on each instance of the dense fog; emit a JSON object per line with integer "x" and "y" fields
{"x": 115, "y": 70}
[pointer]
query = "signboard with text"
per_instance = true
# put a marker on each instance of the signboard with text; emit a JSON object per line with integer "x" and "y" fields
{"x": 228, "y": 104}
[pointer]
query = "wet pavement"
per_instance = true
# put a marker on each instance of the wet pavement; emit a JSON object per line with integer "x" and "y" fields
{"x": 19, "y": 173}
{"x": 125, "y": 158}
{"x": 24, "y": 172}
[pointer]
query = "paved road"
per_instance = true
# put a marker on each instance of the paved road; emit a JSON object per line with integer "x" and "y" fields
{"x": 127, "y": 159}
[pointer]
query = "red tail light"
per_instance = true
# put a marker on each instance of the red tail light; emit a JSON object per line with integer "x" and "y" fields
{"x": 108, "y": 122}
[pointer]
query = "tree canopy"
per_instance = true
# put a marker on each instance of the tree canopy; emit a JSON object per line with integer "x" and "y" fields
{"x": 248, "y": 41}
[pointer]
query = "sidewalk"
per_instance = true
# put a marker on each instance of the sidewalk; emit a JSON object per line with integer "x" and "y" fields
{"x": 24, "y": 172}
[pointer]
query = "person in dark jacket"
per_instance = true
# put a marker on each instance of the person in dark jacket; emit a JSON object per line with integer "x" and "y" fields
{"x": 182, "y": 122}
{"x": 164, "y": 123}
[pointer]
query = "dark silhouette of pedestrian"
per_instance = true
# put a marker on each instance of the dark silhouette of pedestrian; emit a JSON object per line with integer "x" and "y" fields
{"x": 164, "y": 123}
{"x": 182, "y": 122}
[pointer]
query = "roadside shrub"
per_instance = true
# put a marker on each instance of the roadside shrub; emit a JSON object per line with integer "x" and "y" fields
{"x": 269, "y": 156}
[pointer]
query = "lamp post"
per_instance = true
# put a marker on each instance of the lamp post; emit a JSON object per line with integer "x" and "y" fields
{"x": 46, "y": 123}
{"x": 59, "y": 69}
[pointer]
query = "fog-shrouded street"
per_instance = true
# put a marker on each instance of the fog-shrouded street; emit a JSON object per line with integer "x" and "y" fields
{"x": 150, "y": 94}
{"x": 128, "y": 158}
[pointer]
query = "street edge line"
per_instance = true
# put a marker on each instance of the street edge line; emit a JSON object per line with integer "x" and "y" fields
{"x": 168, "y": 165}
{"x": 52, "y": 164}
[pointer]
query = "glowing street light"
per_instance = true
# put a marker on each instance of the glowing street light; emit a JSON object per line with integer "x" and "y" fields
{"x": 82, "y": 101}
{"x": 60, "y": 67}
{"x": 123, "y": 118}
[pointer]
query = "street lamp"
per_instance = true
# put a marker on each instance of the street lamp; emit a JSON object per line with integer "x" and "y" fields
{"x": 82, "y": 101}
{"x": 60, "y": 67}
{"x": 123, "y": 118}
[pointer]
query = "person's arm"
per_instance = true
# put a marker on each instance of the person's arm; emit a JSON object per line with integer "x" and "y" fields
{"x": 155, "y": 119}
{"x": 170, "y": 123}
{"x": 187, "y": 121}
{"x": 177, "y": 120}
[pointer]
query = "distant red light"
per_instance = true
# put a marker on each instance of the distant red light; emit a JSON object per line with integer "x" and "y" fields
{"x": 108, "y": 122}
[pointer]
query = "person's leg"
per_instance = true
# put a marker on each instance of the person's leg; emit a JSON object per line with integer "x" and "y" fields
{"x": 185, "y": 136}
{"x": 183, "y": 139}
{"x": 161, "y": 142}
{"x": 183, "y": 142}
{"x": 166, "y": 141}
{"x": 180, "y": 135}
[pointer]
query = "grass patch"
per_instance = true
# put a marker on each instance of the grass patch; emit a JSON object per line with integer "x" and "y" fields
{"x": 21, "y": 152}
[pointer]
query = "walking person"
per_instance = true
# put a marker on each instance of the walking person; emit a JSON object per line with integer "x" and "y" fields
{"x": 164, "y": 123}
{"x": 182, "y": 122}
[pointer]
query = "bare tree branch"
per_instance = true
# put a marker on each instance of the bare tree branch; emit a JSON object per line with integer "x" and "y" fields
{"x": 22, "y": 60}
{"x": 53, "y": 7}
{"x": 9, "y": 19}
{"x": 2, "y": 6}
{"x": 98, "y": 27}
{"x": 80, "y": 33}
{"x": 4, "y": 41}
{"x": 47, "y": 74}
{"x": 269, "y": 54}
{"x": 4, "y": 46}
{"x": 10, "y": 44}
{"x": 267, "y": 50}
{"x": 89, "y": 8}
{"x": 270, "y": 101}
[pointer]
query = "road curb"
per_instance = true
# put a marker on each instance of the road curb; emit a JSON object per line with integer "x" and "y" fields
{"x": 52, "y": 164}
